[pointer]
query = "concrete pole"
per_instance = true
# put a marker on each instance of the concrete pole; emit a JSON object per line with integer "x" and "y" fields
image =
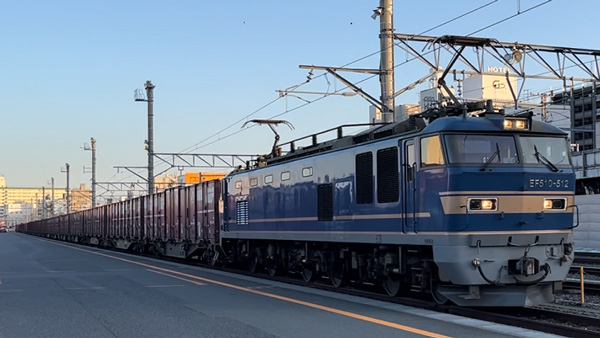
{"x": 150, "y": 97}
{"x": 386, "y": 77}
{"x": 68, "y": 194}
{"x": 44, "y": 214}
{"x": 93, "y": 172}
{"x": 52, "y": 209}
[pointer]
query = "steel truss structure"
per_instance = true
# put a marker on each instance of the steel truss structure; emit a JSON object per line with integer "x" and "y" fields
{"x": 557, "y": 62}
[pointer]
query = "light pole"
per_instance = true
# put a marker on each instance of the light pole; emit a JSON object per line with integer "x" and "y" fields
{"x": 44, "y": 214}
{"x": 68, "y": 194}
{"x": 138, "y": 95}
{"x": 93, "y": 149}
{"x": 52, "y": 209}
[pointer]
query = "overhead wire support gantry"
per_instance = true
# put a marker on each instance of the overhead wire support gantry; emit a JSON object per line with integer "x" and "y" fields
{"x": 510, "y": 54}
{"x": 185, "y": 160}
{"x": 216, "y": 161}
{"x": 122, "y": 186}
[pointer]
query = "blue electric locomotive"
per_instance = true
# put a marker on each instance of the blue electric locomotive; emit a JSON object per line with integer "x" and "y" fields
{"x": 476, "y": 210}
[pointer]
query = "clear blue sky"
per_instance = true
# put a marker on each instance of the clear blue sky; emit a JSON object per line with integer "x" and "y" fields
{"x": 68, "y": 70}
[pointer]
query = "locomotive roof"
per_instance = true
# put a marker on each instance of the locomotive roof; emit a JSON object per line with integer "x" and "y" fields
{"x": 489, "y": 123}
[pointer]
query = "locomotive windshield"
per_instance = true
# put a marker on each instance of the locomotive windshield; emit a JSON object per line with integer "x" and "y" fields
{"x": 550, "y": 151}
{"x": 481, "y": 149}
{"x": 499, "y": 149}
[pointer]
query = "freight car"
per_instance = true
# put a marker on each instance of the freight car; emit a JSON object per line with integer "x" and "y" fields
{"x": 475, "y": 210}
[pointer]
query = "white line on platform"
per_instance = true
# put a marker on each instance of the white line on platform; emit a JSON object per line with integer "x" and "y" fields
{"x": 58, "y": 271}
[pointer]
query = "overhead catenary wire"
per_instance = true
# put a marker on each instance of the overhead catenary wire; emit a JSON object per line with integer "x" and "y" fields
{"x": 345, "y": 65}
{"x": 198, "y": 145}
{"x": 201, "y": 143}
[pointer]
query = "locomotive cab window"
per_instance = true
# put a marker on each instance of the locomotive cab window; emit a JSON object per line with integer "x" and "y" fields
{"x": 481, "y": 149}
{"x": 549, "y": 151}
{"x": 431, "y": 151}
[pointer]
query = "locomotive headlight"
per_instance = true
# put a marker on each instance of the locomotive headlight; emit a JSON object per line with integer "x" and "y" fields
{"x": 483, "y": 204}
{"x": 555, "y": 203}
{"x": 487, "y": 204}
{"x": 516, "y": 123}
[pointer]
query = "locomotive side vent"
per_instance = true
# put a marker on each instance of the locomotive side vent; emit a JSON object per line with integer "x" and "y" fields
{"x": 325, "y": 202}
{"x": 387, "y": 175}
{"x": 364, "y": 178}
{"x": 241, "y": 210}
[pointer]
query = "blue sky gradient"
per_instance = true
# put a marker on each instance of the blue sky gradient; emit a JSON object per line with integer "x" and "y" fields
{"x": 68, "y": 71}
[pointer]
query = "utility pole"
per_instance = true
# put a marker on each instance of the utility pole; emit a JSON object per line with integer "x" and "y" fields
{"x": 150, "y": 141}
{"x": 93, "y": 149}
{"x": 52, "y": 209}
{"x": 68, "y": 195}
{"x": 44, "y": 214}
{"x": 93, "y": 172}
{"x": 386, "y": 77}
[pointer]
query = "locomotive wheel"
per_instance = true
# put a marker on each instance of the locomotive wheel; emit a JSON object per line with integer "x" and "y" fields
{"x": 438, "y": 297}
{"x": 272, "y": 266}
{"x": 337, "y": 273}
{"x": 253, "y": 263}
{"x": 435, "y": 294}
{"x": 308, "y": 273}
{"x": 391, "y": 284}
{"x": 213, "y": 257}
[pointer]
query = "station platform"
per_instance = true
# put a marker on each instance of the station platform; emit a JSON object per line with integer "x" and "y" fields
{"x": 55, "y": 289}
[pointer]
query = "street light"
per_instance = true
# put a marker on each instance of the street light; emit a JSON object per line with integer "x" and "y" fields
{"x": 139, "y": 97}
{"x": 93, "y": 149}
{"x": 68, "y": 195}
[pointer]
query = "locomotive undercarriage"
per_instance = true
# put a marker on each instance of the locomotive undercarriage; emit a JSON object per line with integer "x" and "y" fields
{"x": 397, "y": 269}
{"x": 466, "y": 275}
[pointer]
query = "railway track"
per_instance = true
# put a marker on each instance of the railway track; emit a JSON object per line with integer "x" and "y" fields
{"x": 587, "y": 259}
{"x": 591, "y": 269}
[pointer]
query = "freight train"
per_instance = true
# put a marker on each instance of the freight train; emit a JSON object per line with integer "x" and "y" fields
{"x": 475, "y": 207}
